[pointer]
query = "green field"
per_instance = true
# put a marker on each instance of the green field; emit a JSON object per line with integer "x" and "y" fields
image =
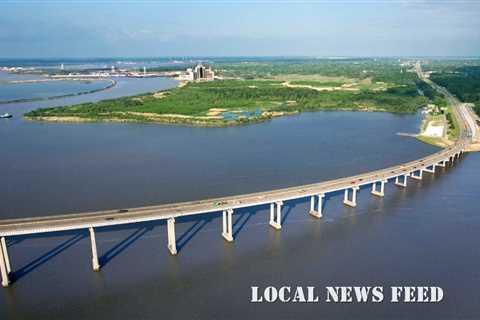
{"x": 373, "y": 87}
{"x": 315, "y": 83}
{"x": 386, "y": 70}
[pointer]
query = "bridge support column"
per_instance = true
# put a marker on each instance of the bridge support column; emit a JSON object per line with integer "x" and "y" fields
{"x": 432, "y": 170}
{"x": 403, "y": 183}
{"x": 276, "y": 215}
{"x": 95, "y": 263}
{"x": 316, "y": 213}
{"x": 227, "y": 233}
{"x": 5, "y": 254}
{"x": 353, "y": 202}
{"x": 172, "y": 243}
{"x": 380, "y": 193}
{"x": 441, "y": 163}
{"x": 4, "y": 263}
{"x": 419, "y": 177}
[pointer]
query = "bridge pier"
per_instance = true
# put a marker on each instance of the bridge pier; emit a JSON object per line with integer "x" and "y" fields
{"x": 420, "y": 175}
{"x": 441, "y": 164}
{"x": 276, "y": 215}
{"x": 95, "y": 263}
{"x": 227, "y": 232}
{"x": 5, "y": 268}
{"x": 5, "y": 254}
{"x": 353, "y": 201}
{"x": 172, "y": 243}
{"x": 403, "y": 183}
{"x": 380, "y": 193}
{"x": 317, "y": 213}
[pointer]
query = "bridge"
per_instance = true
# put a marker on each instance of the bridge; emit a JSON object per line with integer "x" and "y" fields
{"x": 399, "y": 174}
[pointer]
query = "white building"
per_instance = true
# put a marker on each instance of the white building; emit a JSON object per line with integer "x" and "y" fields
{"x": 199, "y": 73}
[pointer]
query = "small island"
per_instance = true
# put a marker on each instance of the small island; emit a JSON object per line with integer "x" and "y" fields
{"x": 244, "y": 93}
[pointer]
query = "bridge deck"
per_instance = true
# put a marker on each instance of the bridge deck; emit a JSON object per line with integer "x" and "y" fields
{"x": 123, "y": 216}
{"x": 114, "y": 217}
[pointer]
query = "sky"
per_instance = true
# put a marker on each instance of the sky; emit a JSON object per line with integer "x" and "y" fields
{"x": 81, "y": 29}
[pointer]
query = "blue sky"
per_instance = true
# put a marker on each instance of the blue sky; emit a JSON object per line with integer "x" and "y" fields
{"x": 235, "y": 28}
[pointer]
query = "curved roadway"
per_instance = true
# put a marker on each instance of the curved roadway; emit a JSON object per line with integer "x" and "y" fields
{"x": 115, "y": 217}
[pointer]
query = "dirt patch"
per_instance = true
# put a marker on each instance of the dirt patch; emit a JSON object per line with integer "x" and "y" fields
{"x": 212, "y": 112}
{"x": 156, "y": 116}
{"x": 345, "y": 87}
{"x": 159, "y": 95}
{"x": 291, "y": 103}
{"x": 319, "y": 78}
{"x": 63, "y": 119}
{"x": 273, "y": 113}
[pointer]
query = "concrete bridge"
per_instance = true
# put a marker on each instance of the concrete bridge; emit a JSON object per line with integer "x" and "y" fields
{"x": 399, "y": 174}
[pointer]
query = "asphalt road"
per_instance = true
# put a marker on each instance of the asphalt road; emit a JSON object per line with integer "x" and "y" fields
{"x": 131, "y": 215}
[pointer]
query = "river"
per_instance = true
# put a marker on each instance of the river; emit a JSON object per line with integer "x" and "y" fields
{"x": 423, "y": 235}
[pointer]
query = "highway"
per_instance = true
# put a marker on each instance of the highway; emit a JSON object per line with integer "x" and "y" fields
{"x": 227, "y": 205}
{"x": 114, "y": 217}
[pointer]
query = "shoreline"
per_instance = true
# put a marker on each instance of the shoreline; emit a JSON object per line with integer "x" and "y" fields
{"x": 449, "y": 135}
{"x": 112, "y": 84}
{"x": 182, "y": 111}
{"x": 193, "y": 121}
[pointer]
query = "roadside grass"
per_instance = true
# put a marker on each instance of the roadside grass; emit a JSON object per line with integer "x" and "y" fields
{"x": 435, "y": 141}
{"x": 453, "y": 131}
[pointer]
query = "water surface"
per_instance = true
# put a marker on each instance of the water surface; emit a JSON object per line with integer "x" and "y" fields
{"x": 49, "y": 89}
{"x": 425, "y": 234}
{"x": 63, "y": 168}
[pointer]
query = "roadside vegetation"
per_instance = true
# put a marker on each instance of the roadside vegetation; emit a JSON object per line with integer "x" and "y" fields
{"x": 464, "y": 82}
{"x": 443, "y": 118}
{"x": 438, "y": 114}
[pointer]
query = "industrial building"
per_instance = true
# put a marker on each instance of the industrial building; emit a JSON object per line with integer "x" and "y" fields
{"x": 199, "y": 73}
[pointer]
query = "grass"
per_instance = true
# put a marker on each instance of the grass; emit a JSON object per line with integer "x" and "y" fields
{"x": 462, "y": 81}
{"x": 453, "y": 131}
{"x": 438, "y": 142}
{"x": 255, "y": 91}
{"x": 193, "y": 103}
{"x": 315, "y": 83}
{"x": 385, "y": 70}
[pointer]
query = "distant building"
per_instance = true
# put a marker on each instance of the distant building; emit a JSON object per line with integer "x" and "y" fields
{"x": 199, "y": 73}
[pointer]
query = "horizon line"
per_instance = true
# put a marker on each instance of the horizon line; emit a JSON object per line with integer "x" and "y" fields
{"x": 241, "y": 56}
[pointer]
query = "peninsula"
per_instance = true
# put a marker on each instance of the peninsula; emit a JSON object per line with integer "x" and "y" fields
{"x": 245, "y": 93}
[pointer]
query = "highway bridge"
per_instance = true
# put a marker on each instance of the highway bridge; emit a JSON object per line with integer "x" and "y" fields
{"x": 226, "y": 206}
